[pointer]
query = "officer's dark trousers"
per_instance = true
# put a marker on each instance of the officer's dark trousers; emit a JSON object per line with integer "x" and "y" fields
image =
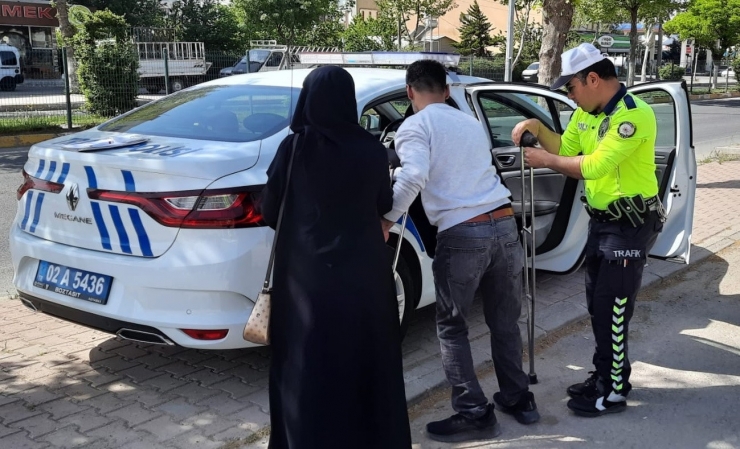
{"x": 615, "y": 258}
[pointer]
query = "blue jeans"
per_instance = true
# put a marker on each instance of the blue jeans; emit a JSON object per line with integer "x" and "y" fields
{"x": 480, "y": 259}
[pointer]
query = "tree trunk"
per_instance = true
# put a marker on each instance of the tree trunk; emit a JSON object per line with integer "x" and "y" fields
{"x": 557, "y": 16}
{"x": 633, "y": 47}
{"x": 649, "y": 45}
{"x": 524, "y": 35}
{"x": 68, "y": 32}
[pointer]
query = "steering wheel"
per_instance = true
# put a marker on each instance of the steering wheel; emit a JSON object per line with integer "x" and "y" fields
{"x": 391, "y": 128}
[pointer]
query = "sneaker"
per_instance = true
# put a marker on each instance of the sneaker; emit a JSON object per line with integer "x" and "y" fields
{"x": 587, "y": 388}
{"x": 598, "y": 404}
{"x": 524, "y": 410}
{"x": 458, "y": 428}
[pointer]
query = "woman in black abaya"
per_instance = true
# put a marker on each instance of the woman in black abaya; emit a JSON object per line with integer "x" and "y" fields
{"x": 336, "y": 380}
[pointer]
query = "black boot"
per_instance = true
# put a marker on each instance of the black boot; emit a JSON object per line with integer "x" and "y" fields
{"x": 587, "y": 388}
{"x": 604, "y": 401}
{"x": 524, "y": 410}
{"x": 458, "y": 428}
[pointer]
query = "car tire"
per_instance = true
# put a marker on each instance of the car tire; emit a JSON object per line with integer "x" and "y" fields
{"x": 7, "y": 85}
{"x": 177, "y": 84}
{"x": 153, "y": 89}
{"x": 405, "y": 291}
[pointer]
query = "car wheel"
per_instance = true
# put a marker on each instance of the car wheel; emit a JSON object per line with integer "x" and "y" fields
{"x": 7, "y": 85}
{"x": 153, "y": 89}
{"x": 405, "y": 292}
{"x": 176, "y": 85}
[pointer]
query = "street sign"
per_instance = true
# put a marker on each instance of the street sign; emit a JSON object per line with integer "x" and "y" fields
{"x": 605, "y": 41}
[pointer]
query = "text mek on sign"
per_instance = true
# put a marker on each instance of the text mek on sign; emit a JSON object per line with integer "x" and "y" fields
{"x": 34, "y": 14}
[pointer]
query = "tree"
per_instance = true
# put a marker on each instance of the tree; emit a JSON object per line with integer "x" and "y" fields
{"x": 68, "y": 31}
{"x": 475, "y": 33}
{"x": 206, "y": 21}
{"x": 557, "y": 16}
{"x": 108, "y": 64}
{"x": 369, "y": 34}
{"x": 529, "y": 41}
{"x": 287, "y": 21}
{"x": 404, "y": 12}
{"x": 137, "y": 13}
{"x": 714, "y": 24}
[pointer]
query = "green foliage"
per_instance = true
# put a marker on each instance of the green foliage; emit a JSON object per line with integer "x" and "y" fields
{"x": 530, "y": 48}
{"x": 206, "y": 21}
{"x": 712, "y": 23}
{"x": 475, "y": 33}
{"x": 107, "y": 64}
{"x": 290, "y": 21}
{"x": 369, "y": 34}
{"x": 491, "y": 68}
{"x": 735, "y": 64}
{"x": 671, "y": 72}
{"x": 137, "y": 13}
{"x": 402, "y": 11}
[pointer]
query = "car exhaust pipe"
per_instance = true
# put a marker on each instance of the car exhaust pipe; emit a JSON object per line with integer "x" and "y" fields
{"x": 144, "y": 337}
{"x": 29, "y": 304}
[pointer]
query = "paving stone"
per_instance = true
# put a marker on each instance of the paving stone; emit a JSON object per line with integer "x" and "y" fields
{"x": 194, "y": 439}
{"x": 164, "y": 428}
{"x": 130, "y": 352}
{"x": 97, "y": 378}
{"x": 147, "y": 396}
{"x": 37, "y": 426}
{"x": 86, "y": 420}
{"x": 154, "y": 360}
{"x": 261, "y": 399}
{"x": 139, "y": 373}
{"x": 62, "y": 408}
{"x": 38, "y": 395}
{"x": 223, "y": 404}
{"x": 134, "y": 414}
{"x": 179, "y": 409}
{"x": 67, "y": 438}
{"x": 218, "y": 365}
{"x": 208, "y": 423}
{"x": 206, "y": 377}
{"x": 144, "y": 445}
{"x": 81, "y": 391}
{"x": 164, "y": 383}
{"x": 234, "y": 387}
{"x": 193, "y": 392}
{"x": 195, "y": 357}
{"x": 107, "y": 403}
{"x": 237, "y": 432}
{"x": 114, "y": 364}
{"x": 116, "y": 434}
{"x": 20, "y": 440}
{"x": 5, "y": 431}
{"x": 179, "y": 369}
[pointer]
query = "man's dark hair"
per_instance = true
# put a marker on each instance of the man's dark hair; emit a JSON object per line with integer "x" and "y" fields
{"x": 604, "y": 68}
{"x": 427, "y": 76}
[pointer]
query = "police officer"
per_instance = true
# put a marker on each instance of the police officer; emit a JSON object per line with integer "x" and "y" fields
{"x": 610, "y": 144}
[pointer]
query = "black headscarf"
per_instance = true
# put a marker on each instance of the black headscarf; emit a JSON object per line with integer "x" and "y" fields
{"x": 327, "y": 106}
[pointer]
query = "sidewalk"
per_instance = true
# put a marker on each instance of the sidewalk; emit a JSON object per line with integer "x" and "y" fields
{"x": 62, "y": 385}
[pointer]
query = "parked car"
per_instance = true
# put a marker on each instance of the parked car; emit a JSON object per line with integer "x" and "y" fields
{"x": 727, "y": 71}
{"x": 10, "y": 67}
{"x": 147, "y": 226}
{"x": 531, "y": 73}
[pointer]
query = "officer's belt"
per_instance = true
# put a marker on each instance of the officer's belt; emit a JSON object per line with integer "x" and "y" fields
{"x": 632, "y": 210}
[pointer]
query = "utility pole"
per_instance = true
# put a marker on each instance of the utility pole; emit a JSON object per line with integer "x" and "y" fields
{"x": 510, "y": 42}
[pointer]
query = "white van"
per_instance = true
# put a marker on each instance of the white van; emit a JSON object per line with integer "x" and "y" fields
{"x": 10, "y": 67}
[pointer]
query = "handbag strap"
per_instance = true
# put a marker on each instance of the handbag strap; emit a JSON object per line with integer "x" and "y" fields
{"x": 266, "y": 285}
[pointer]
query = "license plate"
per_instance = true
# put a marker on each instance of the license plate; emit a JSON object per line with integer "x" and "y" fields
{"x": 72, "y": 282}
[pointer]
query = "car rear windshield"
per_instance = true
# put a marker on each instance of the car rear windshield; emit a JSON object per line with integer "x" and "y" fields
{"x": 8, "y": 58}
{"x": 242, "y": 113}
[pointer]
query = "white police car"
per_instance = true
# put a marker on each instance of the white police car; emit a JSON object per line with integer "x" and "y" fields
{"x": 147, "y": 225}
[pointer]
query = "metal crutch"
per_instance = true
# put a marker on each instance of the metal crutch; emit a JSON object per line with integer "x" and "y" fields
{"x": 396, "y": 278}
{"x": 529, "y": 140}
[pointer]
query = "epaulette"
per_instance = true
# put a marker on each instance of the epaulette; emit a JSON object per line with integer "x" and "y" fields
{"x": 629, "y": 101}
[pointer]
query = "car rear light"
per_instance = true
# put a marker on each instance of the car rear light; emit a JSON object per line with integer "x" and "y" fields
{"x": 30, "y": 182}
{"x": 207, "y": 209}
{"x": 206, "y": 334}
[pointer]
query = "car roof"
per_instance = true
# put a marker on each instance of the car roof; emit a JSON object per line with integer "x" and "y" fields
{"x": 368, "y": 81}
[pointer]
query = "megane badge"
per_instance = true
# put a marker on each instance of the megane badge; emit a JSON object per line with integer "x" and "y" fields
{"x": 73, "y": 197}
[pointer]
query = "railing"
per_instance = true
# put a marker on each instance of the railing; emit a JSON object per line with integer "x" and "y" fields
{"x": 177, "y": 50}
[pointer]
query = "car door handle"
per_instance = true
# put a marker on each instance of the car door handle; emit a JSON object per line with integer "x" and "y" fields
{"x": 506, "y": 160}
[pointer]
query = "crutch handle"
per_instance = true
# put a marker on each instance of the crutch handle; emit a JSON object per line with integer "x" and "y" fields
{"x": 528, "y": 139}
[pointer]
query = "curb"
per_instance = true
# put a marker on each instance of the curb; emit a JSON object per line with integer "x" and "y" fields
{"x": 24, "y": 140}
{"x": 714, "y": 96}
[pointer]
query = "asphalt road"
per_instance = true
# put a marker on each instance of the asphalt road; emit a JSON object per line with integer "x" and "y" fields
{"x": 685, "y": 354}
{"x": 716, "y": 124}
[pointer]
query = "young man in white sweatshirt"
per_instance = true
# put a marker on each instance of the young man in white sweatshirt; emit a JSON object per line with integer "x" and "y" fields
{"x": 445, "y": 156}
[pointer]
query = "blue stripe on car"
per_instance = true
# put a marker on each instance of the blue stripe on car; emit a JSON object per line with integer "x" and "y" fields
{"x": 120, "y": 229}
{"x": 92, "y": 182}
{"x": 42, "y": 164}
{"x": 52, "y": 169}
{"x": 146, "y": 248}
{"x": 415, "y": 232}
{"x": 104, "y": 237}
{"x": 37, "y": 212}
{"x": 27, "y": 213}
{"x": 128, "y": 178}
{"x": 64, "y": 173}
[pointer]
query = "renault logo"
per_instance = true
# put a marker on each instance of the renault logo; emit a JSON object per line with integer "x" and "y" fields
{"x": 73, "y": 197}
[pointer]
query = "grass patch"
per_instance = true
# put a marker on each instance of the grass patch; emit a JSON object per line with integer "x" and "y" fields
{"x": 52, "y": 123}
{"x": 720, "y": 157}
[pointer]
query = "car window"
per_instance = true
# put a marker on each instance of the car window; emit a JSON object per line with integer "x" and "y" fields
{"x": 275, "y": 59}
{"x": 534, "y": 66}
{"x": 665, "y": 115}
{"x": 240, "y": 113}
{"x": 8, "y": 58}
{"x": 503, "y": 110}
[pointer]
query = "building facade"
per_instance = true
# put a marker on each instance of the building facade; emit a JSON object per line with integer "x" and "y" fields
{"x": 30, "y": 27}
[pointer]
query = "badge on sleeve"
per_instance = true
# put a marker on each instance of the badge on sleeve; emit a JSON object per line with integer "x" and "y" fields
{"x": 626, "y": 129}
{"x": 603, "y": 127}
